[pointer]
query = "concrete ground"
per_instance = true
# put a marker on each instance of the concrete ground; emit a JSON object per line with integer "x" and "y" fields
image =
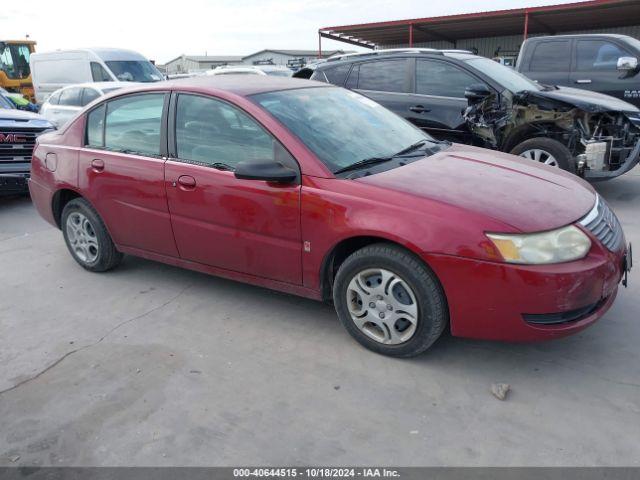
{"x": 153, "y": 365}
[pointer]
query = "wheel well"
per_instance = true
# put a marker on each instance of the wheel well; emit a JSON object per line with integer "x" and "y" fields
{"x": 60, "y": 199}
{"x": 338, "y": 254}
{"x": 528, "y": 131}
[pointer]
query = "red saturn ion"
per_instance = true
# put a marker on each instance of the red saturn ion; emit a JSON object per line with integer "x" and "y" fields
{"x": 318, "y": 191}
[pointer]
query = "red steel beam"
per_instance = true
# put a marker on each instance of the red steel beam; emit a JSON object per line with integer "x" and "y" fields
{"x": 495, "y": 13}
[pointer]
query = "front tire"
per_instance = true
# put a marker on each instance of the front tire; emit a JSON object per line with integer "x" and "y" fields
{"x": 547, "y": 151}
{"x": 87, "y": 237}
{"x": 390, "y": 301}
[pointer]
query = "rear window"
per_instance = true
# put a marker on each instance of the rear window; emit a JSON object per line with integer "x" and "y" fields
{"x": 383, "y": 76}
{"x": 70, "y": 97}
{"x": 552, "y": 56}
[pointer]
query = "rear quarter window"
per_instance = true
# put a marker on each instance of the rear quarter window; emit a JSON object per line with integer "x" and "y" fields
{"x": 95, "y": 127}
{"x": 337, "y": 75}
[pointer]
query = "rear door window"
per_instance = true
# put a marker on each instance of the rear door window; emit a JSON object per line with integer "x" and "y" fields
{"x": 133, "y": 124}
{"x": 442, "y": 79}
{"x": 71, "y": 97}
{"x": 551, "y": 56}
{"x": 598, "y": 55}
{"x": 383, "y": 76}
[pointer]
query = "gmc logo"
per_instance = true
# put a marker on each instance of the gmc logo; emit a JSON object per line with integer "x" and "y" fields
{"x": 12, "y": 138}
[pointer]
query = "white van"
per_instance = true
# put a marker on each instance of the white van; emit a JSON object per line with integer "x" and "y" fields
{"x": 53, "y": 70}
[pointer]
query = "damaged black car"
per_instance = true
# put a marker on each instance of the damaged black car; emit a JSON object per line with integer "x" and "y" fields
{"x": 457, "y": 96}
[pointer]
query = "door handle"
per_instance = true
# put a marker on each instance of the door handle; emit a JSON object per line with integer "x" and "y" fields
{"x": 419, "y": 109}
{"x": 187, "y": 182}
{"x": 583, "y": 80}
{"x": 97, "y": 165}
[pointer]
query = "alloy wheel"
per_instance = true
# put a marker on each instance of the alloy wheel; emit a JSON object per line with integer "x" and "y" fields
{"x": 541, "y": 156}
{"x": 82, "y": 237}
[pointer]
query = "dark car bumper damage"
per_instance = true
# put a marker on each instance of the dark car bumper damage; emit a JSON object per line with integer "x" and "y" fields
{"x": 604, "y": 143}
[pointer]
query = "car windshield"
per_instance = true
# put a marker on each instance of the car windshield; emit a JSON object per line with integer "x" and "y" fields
{"x": 5, "y": 103}
{"x": 134, "y": 71}
{"x": 341, "y": 127}
{"x": 505, "y": 76}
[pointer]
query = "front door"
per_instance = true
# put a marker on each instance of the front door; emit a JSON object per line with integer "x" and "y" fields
{"x": 246, "y": 226}
{"x": 595, "y": 69}
{"x": 439, "y": 102}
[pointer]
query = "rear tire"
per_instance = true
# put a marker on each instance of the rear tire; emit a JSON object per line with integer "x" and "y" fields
{"x": 548, "y": 151}
{"x": 87, "y": 237}
{"x": 390, "y": 301}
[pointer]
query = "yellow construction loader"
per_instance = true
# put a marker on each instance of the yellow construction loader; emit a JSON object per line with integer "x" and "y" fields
{"x": 15, "y": 73}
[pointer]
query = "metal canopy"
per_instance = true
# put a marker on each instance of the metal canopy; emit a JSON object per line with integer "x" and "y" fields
{"x": 553, "y": 19}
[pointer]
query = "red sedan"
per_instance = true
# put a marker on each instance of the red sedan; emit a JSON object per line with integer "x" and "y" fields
{"x": 317, "y": 191}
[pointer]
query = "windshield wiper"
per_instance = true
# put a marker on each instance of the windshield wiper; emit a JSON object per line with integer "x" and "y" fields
{"x": 375, "y": 160}
{"x": 221, "y": 166}
{"x": 411, "y": 148}
{"x": 364, "y": 163}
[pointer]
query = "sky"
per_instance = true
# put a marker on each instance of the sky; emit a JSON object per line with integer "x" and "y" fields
{"x": 164, "y": 30}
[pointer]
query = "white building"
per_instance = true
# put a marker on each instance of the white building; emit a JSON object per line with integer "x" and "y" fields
{"x": 195, "y": 63}
{"x": 287, "y": 58}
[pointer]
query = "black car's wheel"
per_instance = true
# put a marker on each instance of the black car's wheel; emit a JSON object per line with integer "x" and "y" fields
{"x": 547, "y": 151}
{"x": 390, "y": 301}
{"x": 87, "y": 238}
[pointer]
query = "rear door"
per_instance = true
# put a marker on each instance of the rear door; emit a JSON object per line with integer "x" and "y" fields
{"x": 386, "y": 81}
{"x": 595, "y": 68}
{"x": 121, "y": 170}
{"x": 438, "y": 101}
{"x": 246, "y": 226}
{"x": 550, "y": 62}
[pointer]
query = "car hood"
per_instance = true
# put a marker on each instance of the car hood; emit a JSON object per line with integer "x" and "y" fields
{"x": 21, "y": 115}
{"x": 587, "y": 100}
{"x": 520, "y": 193}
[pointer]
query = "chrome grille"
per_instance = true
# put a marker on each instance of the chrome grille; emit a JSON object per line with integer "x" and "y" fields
{"x": 18, "y": 152}
{"x": 604, "y": 225}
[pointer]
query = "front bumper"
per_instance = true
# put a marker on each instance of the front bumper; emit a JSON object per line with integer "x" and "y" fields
{"x": 14, "y": 183}
{"x": 500, "y": 301}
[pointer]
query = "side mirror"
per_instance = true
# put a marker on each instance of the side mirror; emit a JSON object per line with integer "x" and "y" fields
{"x": 477, "y": 92}
{"x": 267, "y": 170}
{"x": 627, "y": 64}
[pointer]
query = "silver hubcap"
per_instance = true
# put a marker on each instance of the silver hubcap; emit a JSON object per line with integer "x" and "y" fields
{"x": 383, "y": 306}
{"x": 82, "y": 237}
{"x": 541, "y": 156}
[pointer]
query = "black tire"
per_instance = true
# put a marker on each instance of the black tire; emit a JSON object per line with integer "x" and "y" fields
{"x": 106, "y": 255}
{"x": 433, "y": 314}
{"x": 561, "y": 153}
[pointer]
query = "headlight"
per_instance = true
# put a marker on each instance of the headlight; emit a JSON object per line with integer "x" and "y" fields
{"x": 562, "y": 245}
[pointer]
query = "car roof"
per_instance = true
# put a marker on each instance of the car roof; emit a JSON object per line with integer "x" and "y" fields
{"x": 243, "y": 85}
{"x": 400, "y": 53}
{"x": 579, "y": 35}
